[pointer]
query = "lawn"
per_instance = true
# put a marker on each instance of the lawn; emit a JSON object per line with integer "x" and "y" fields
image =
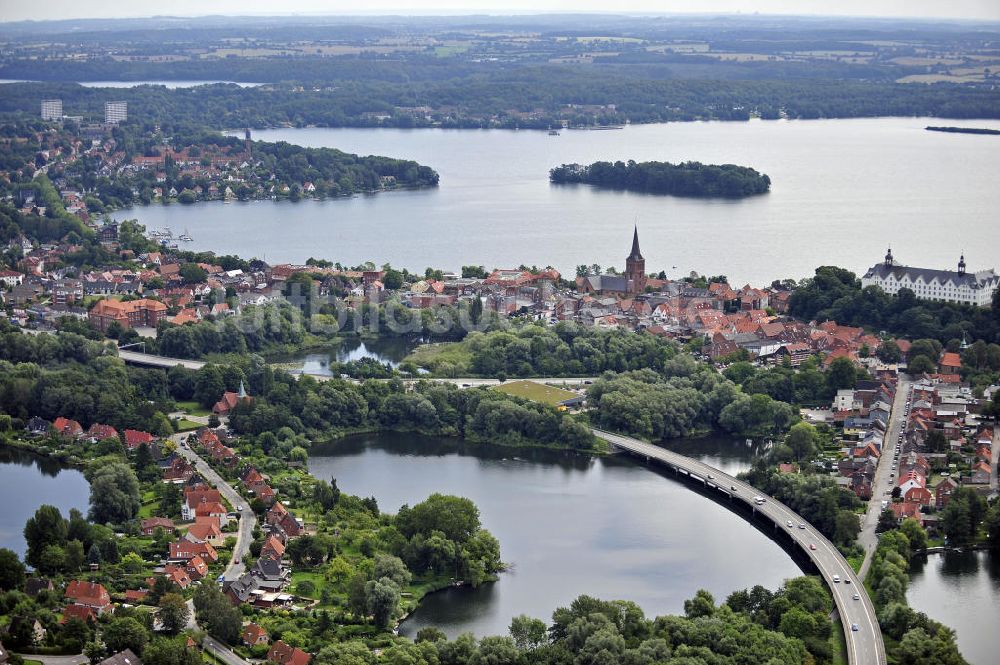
{"x": 185, "y": 425}
{"x": 537, "y": 392}
{"x": 193, "y": 408}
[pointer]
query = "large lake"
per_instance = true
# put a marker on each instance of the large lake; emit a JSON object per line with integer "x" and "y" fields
{"x": 26, "y": 482}
{"x": 568, "y": 525}
{"x": 842, "y": 191}
{"x": 962, "y": 591}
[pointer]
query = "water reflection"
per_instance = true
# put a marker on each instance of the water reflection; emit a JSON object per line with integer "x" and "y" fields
{"x": 28, "y": 481}
{"x": 568, "y": 524}
{"x": 962, "y": 591}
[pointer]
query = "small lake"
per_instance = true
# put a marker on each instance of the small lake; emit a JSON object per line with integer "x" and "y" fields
{"x": 26, "y": 482}
{"x": 389, "y": 350}
{"x": 568, "y": 525}
{"x": 962, "y": 591}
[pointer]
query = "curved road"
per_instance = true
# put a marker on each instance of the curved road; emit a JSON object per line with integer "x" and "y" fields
{"x": 864, "y": 646}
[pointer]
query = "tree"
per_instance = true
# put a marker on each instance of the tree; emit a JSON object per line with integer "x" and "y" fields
{"x": 125, "y": 633}
{"x": 170, "y": 651}
{"x": 802, "y": 440}
{"x": 12, "y": 571}
{"x": 392, "y": 279}
{"x": 841, "y": 374}
{"x": 915, "y": 533}
{"x": 45, "y": 528}
{"x": 173, "y": 613}
{"x": 393, "y": 568}
{"x": 192, "y": 273}
{"x": 889, "y": 352}
{"x": 886, "y": 521}
{"x": 921, "y": 365}
{"x": 381, "y": 598}
{"x": 527, "y": 632}
{"x": 702, "y": 605}
{"x": 216, "y": 614}
{"x": 114, "y": 494}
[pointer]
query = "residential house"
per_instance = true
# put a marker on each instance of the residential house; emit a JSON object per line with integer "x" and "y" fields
{"x": 943, "y": 492}
{"x": 151, "y": 524}
{"x": 66, "y": 427}
{"x": 253, "y": 635}
{"x": 88, "y": 594}
{"x": 135, "y": 438}
{"x": 283, "y": 654}
{"x": 122, "y": 658}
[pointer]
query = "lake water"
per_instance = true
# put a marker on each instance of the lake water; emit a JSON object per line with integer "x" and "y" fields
{"x": 962, "y": 591}
{"x": 567, "y": 524}
{"x": 390, "y": 350}
{"x": 842, "y": 191}
{"x": 26, "y": 482}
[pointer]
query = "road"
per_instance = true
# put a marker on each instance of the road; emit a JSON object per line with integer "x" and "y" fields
{"x": 78, "y": 659}
{"x": 222, "y": 652}
{"x": 864, "y": 646}
{"x": 149, "y": 360}
{"x": 883, "y": 483}
{"x": 247, "y": 518}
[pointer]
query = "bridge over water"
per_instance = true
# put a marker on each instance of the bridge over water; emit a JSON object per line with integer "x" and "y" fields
{"x": 864, "y": 646}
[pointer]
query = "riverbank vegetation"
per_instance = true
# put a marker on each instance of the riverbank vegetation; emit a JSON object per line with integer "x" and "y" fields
{"x": 910, "y": 636}
{"x": 684, "y": 179}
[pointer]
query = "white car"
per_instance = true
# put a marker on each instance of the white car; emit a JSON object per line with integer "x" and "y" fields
{"x": 789, "y": 524}
{"x": 836, "y": 579}
{"x": 857, "y": 596}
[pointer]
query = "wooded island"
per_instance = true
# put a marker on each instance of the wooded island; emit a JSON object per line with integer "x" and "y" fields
{"x": 685, "y": 179}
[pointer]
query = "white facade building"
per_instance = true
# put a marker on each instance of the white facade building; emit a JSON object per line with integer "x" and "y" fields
{"x": 115, "y": 112}
{"x": 52, "y": 109}
{"x": 956, "y": 286}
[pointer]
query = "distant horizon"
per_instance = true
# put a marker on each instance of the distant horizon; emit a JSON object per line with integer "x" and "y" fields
{"x": 930, "y": 10}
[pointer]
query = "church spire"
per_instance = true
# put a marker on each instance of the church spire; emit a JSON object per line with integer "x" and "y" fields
{"x": 635, "y": 244}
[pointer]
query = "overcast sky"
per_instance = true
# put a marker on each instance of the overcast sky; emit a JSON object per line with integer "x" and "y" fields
{"x": 16, "y": 10}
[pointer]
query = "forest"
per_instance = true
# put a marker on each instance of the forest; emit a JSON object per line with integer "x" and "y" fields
{"x": 685, "y": 179}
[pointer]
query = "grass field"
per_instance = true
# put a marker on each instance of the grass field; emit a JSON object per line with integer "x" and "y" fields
{"x": 185, "y": 425}
{"x": 536, "y": 392}
{"x": 193, "y": 408}
{"x": 447, "y": 358}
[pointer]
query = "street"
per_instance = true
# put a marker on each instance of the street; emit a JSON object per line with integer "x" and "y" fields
{"x": 883, "y": 483}
{"x": 247, "y": 520}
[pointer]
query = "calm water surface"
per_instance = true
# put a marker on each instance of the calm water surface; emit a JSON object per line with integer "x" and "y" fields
{"x": 567, "y": 524}
{"x": 962, "y": 591}
{"x": 26, "y": 482}
{"x": 842, "y": 190}
{"x": 390, "y": 350}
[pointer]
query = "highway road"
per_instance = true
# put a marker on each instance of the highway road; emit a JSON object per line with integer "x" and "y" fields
{"x": 247, "y": 518}
{"x": 864, "y": 646}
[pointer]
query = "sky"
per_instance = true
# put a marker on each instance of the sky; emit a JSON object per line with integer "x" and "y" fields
{"x": 17, "y": 10}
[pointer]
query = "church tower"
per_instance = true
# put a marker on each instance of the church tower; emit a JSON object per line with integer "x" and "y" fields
{"x": 635, "y": 266}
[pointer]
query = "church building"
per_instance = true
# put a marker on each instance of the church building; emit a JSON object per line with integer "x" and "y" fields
{"x": 632, "y": 282}
{"x": 957, "y": 286}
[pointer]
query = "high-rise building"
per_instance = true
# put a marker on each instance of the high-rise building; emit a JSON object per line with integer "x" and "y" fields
{"x": 115, "y": 112}
{"x": 52, "y": 109}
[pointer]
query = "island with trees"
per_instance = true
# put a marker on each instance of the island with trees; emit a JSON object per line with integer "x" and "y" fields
{"x": 963, "y": 130}
{"x": 683, "y": 179}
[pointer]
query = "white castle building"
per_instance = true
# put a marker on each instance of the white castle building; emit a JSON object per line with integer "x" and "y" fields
{"x": 956, "y": 286}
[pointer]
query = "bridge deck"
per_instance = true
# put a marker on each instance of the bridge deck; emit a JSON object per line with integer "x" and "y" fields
{"x": 864, "y": 646}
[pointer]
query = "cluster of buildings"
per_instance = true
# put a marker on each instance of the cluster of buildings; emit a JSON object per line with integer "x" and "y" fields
{"x": 944, "y": 445}
{"x": 114, "y": 111}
